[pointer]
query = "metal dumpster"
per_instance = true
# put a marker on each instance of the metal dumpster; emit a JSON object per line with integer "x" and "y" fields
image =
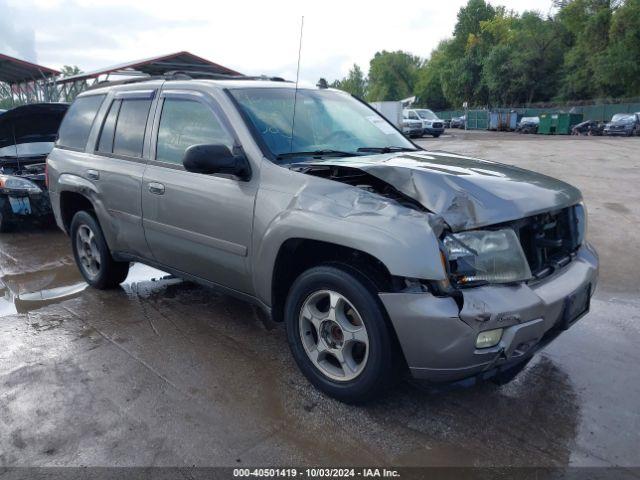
{"x": 477, "y": 120}
{"x": 548, "y": 122}
{"x": 566, "y": 121}
{"x": 503, "y": 121}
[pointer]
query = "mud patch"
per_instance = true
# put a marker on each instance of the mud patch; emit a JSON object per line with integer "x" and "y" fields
{"x": 617, "y": 207}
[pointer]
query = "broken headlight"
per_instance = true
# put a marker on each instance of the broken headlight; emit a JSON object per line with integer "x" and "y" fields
{"x": 486, "y": 256}
{"x": 9, "y": 182}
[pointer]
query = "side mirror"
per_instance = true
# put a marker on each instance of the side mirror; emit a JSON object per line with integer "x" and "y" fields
{"x": 210, "y": 159}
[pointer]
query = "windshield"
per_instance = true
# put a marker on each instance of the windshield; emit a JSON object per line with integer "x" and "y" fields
{"x": 621, "y": 117}
{"x": 426, "y": 114}
{"x": 325, "y": 121}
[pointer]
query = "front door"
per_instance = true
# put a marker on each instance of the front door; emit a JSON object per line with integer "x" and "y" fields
{"x": 196, "y": 223}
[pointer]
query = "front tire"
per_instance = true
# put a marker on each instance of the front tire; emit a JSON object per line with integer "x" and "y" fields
{"x": 338, "y": 334}
{"x": 92, "y": 254}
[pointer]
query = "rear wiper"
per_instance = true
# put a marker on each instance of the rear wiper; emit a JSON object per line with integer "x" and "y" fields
{"x": 386, "y": 149}
{"x": 316, "y": 153}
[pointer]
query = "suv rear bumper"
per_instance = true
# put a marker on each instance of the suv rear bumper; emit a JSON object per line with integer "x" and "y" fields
{"x": 438, "y": 338}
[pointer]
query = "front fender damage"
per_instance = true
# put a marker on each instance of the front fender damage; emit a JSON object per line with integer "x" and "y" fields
{"x": 362, "y": 216}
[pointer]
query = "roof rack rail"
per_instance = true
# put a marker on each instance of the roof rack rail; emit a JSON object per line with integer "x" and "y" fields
{"x": 110, "y": 83}
{"x": 194, "y": 74}
{"x": 184, "y": 75}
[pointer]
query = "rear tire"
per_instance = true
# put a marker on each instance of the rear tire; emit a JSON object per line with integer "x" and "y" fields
{"x": 92, "y": 254}
{"x": 436, "y": 135}
{"x": 343, "y": 346}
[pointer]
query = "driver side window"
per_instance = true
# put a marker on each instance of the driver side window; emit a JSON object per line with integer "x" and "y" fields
{"x": 184, "y": 123}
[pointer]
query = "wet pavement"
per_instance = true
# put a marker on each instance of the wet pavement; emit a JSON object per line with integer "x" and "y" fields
{"x": 167, "y": 373}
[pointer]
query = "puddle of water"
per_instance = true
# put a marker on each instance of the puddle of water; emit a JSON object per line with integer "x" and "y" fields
{"x": 24, "y": 292}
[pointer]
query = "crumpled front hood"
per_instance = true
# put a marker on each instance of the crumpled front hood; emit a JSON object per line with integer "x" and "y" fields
{"x": 466, "y": 192}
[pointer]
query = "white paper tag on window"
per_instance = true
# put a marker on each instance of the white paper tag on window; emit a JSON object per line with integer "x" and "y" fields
{"x": 382, "y": 125}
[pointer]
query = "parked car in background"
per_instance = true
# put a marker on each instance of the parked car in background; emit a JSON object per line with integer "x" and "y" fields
{"x": 27, "y": 135}
{"x": 458, "y": 122}
{"x": 431, "y": 124}
{"x": 2, "y": 111}
{"x": 447, "y": 123}
{"x": 528, "y": 125}
{"x": 589, "y": 127}
{"x": 626, "y": 124}
{"x": 377, "y": 255}
{"x": 412, "y": 127}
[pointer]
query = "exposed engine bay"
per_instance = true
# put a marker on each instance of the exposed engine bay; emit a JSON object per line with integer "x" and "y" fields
{"x": 358, "y": 178}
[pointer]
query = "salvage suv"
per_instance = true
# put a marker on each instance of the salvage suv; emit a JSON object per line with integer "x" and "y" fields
{"x": 379, "y": 257}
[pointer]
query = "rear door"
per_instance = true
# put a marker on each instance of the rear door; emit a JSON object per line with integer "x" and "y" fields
{"x": 117, "y": 167}
{"x": 196, "y": 223}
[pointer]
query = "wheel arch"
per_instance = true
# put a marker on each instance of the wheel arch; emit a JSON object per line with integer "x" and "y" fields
{"x": 75, "y": 194}
{"x": 296, "y": 255}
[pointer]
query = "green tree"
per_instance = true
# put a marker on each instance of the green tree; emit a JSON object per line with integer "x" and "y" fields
{"x": 617, "y": 69}
{"x": 70, "y": 70}
{"x": 428, "y": 87}
{"x": 470, "y": 18}
{"x": 537, "y": 49}
{"x": 588, "y": 23}
{"x": 392, "y": 75}
{"x": 355, "y": 82}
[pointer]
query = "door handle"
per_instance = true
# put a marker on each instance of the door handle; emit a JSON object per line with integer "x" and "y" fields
{"x": 156, "y": 188}
{"x": 93, "y": 174}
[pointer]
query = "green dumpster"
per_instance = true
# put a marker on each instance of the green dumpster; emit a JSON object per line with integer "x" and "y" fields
{"x": 566, "y": 121}
{"x": 547, "y": 124}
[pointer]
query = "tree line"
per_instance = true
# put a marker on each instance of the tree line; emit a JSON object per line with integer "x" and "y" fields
{"x": 586, "y": 49}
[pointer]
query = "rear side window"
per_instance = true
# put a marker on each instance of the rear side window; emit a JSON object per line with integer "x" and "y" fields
{"x": 76, "y": 126}
{"x": 130, "y": 125}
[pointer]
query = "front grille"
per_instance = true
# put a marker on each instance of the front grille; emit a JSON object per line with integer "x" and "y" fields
{"x": 549, "y": 240}
{"x": 437, "y": 125}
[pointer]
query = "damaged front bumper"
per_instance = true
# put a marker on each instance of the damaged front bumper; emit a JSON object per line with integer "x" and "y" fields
{"x": 438, "y": 337}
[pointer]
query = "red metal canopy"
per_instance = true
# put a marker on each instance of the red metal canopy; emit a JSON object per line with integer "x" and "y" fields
{"x": 13, "y": 70}
{"x": 183, "y": 61}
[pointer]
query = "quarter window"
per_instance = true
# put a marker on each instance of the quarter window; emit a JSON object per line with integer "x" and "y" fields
{"x": 76, "y": 126}
{"x": 184, "y": 123}
{"x": 129, "y": 134}
{"x": 105, "y": 145}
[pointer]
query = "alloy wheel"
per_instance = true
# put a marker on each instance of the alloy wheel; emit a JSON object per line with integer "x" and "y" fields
{"x": 88, "y": 251}
{"x": 333, "y": 335}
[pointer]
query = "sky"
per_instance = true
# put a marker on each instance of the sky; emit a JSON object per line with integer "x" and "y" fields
{"x": 252, "y": 37}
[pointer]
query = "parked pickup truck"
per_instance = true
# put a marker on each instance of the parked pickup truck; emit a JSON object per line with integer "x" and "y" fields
{"x": 378, "y": 256}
